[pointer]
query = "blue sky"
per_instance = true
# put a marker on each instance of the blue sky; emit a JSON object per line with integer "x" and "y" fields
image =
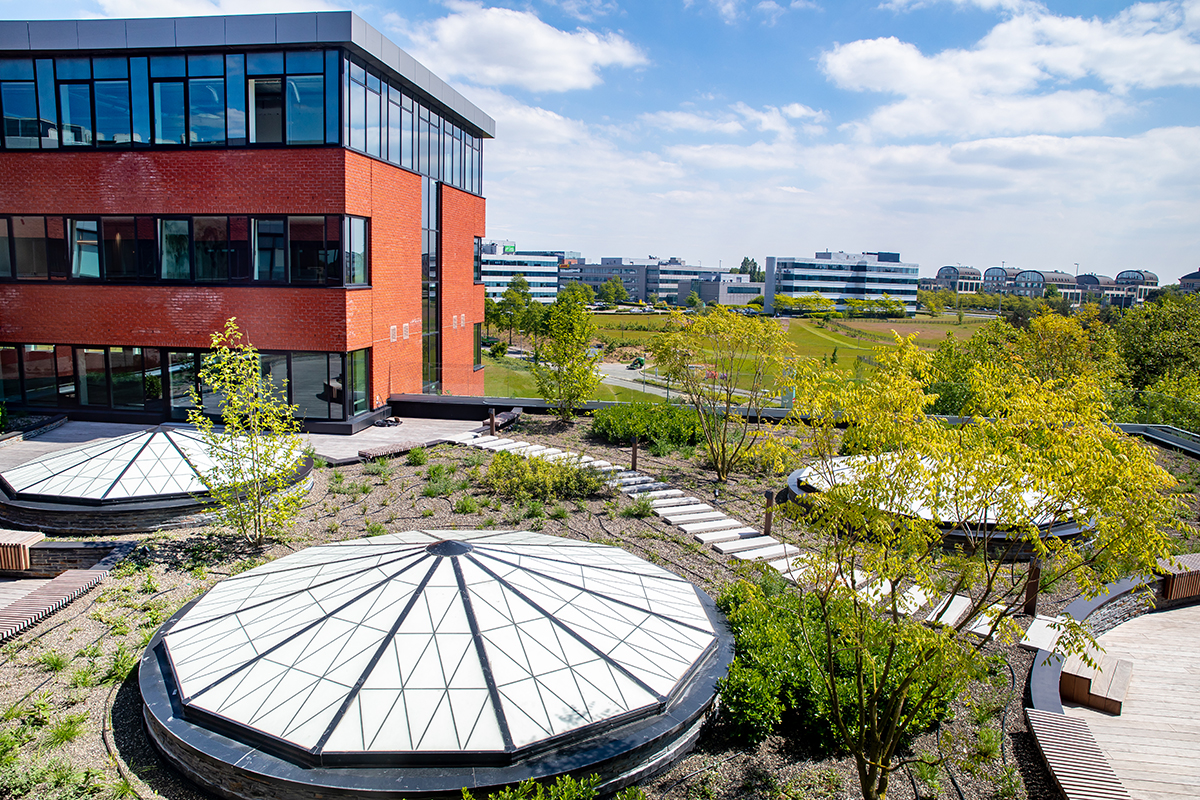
{"x": 953, "y": 131}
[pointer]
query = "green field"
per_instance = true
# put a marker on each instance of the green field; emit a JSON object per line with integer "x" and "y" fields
{"x": 509, "y": 377}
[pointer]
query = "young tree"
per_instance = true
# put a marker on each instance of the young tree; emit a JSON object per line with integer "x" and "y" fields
{"x": 613, "y": 291}
{"x": 1041, "y": 453}
{"x": 491, "y": 314}
{"x": 257, "y": 452}
{"x": 513, "y": 303}
{"x": 930, "y": 302}
{"x": 722, "y": 362}
{"x": 565, "y": 373}
{"x": 694, "y": 301}
{"x": 580, "y": 292}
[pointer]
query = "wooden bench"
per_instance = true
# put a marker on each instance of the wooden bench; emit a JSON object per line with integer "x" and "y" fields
{"x": 1182, "y": 580}
{"x": 1102, "y": 687}
{"x": 14, "y": 548}
{"x": 1076, "y": 762}
{"x": 47, "y": 599}
{"x": 389, "y": 450}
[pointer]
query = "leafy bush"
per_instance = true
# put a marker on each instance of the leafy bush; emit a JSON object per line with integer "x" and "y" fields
{"x": 3, "y": 418}
{"x": 650, "y": 422}
{"x": 467, "y": 504}
{"x": 498, "y": 350}
{"x": 639, "y": 508}
{"x": 521, "y": 479}
{"x": 379, "y": 466}
{"x": 417, "y": 457}
{"x": 564, "y": 788}
{"x": 53, "y": 661}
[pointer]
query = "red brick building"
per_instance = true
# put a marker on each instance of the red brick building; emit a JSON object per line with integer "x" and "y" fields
{"x": 296, "y": 171}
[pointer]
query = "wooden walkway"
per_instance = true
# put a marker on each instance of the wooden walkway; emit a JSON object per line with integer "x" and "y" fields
{"x": 1154, "y": 745}
{"x": 33, "y": 606}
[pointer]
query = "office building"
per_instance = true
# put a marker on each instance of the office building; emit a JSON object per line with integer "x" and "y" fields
{"x": 723, "y": 288}
{"x": 296, "y": 171}
{"x": 959, "y": 279}
{"x": 843, "y": 276}
{"x": 1035, "y": 282}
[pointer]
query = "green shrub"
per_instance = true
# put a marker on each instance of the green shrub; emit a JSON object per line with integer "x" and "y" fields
{"x": 376, "y": 529}
{"x": 467, "y": 504}
{"x": 417, "y": 457}
{"x": 987, "y": 746}
{"x": 65, "y": 730}
{"x": 564, "y": 788}
{"x": 657, "y": 423}
{"x": 379, "y": 466}
{"x": 521, "y": 479}
{"x": 53, "y": 661}
{"x": 498, "y": 350}
{"x": 3, "y": 418}
{"x": 640, "y": 508}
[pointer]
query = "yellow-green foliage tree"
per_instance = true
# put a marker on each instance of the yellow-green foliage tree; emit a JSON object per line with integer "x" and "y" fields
{"x": 723, "y": 363}
{"x": 565, "y": 373}
{"x": 256, "y": 451}
{"x": 1040, "y": 453}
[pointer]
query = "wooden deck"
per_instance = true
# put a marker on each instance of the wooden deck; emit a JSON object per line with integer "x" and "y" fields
{"x": 13, "y": 589}
{"x": 1154, "y": 745}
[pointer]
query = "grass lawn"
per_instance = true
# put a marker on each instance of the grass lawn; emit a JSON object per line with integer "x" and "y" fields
{"x": 813, "y": 342}
{"x": 930, "y": 330}
{"x": 510, "y": 377}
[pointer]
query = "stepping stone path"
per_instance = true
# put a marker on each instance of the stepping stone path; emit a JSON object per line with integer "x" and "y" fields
{"x": 708, "y": 525}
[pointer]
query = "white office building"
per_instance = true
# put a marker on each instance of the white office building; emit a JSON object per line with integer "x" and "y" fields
{"x": 500, "y": 262}
{"x": 843, "y": 276}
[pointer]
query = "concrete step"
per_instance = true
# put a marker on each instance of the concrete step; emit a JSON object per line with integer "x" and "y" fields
{"x": 550, "y": 453}
{"x": 729, "y": 535}
{"x": 911, "y": 600}
{"x": 749, "y": 543}
{"x": 676, "y": 502}
{"x": 498, "y": 444}
{"x": 513, "y": 447}
{"x": 1042, "y": 633}
{"x": 632, "y": 480}
{"x": 875, "y": 592}
{"x": 480, "y": 441}
{"x": 766, "y": 553}
{"x": 687, "y": 508}
{"x": 715, "y": 525}
{"x": 983, "y": 623}
{"x": 534, "y": 449}
{"x": 559, "y": 456}
{"x": 665, "y": 495}
{"x": 641, "y": 489}
{"x": 950, "y": 609}
{"x": 693, "y": 516}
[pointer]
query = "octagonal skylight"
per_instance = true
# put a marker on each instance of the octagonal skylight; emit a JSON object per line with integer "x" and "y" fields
{"x": 413, "y": 647}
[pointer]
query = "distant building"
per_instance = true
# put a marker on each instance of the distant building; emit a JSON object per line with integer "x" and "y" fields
{"x": 1000, "y": 279}
{"x": 501, "y": 261}
{"x": 928, "y": 284}
{"x": 723, "y": 288}
{"x": 641, "y": 277}
{"x": 961, "y": 280}
{"x": 1138, "y": 283}
{"x": 1035, "y": 282}
{"x": 843, "y": 276}
{"x": 1190, "y": 282}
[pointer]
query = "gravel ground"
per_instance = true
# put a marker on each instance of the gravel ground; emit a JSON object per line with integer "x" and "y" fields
{"x": 69, "y": 667}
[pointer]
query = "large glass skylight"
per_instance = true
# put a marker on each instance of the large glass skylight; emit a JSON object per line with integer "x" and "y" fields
{"x": 410, "y": 644}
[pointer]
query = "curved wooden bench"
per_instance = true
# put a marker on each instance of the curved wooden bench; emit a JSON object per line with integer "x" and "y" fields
{"x": 1076, "y": 762}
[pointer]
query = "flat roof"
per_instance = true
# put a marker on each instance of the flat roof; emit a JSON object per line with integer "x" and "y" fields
{"x": 341, "y": 28}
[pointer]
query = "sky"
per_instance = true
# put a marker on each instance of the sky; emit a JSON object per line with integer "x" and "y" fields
{"x": 974, "y": 132}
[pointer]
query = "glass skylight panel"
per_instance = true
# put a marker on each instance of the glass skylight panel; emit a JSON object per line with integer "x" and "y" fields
{"x": 389, "y": 645}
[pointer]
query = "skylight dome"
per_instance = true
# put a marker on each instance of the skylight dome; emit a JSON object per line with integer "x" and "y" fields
{"x": 468, "y": 648}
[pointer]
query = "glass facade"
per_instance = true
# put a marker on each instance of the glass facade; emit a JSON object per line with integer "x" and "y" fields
{"x": 297, "y": 250}
{"x": 202, "y": 100}
{"x": 431, "y": 309}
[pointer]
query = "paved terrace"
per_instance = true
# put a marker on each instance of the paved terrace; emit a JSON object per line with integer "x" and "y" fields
{"x": 1154, "y": 745}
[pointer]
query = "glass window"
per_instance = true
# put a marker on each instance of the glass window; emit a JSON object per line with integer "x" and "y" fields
{"x": 110, "y": 68}
{"x": 356, "y": 250}
{"x": 48, "y": 122}
{"x": 93, "y": 376}
{"x": 274, "y": 369}
{"x": 128, "y": 380}
{"x": 167, "y": 67}
{"x": 306, "y": 241}
{"x": 305, "y": 110}
{"x": 269, "y": 250}
{"x": 206, "y": 124}
{"x": 357, "y": 73}
{"x": 10, "y": 376}
{"x": 304, "y": 62}
{"x": 333, "y": 250}
{"x": 64, "y": 361}
{"x": 206, "y": 66}
{"x": 20, "y": 114}
{"x": 5, "y": 260}
{"x": 16, "y": 69}
{"x": 112, "y": 112}
{"x": 477, "y": 264}
{"x": 147, "y": 232}
{"x": 239, "y": 248}
{"x": 41, "y": 382}
{"x": 358, "y": 117}
{"x": 331, "y": 96}
{"x": 182, "y": 371}
{"x": 235, "y": 98}
{"x": 75, "y": 69}
{"x": 393, "y": 129}
{"x": 212, "y": 248}
{"x": 312, "y": 389}
{"x": 85, "y": 248}
{"x": 478, "y": 344}
{"x": 373, "y": 130}
{"x": 120, "y": 248}
{"x": 357, "y": 391}
{"x": 175, "y": 250}
{"x": 406, "y": 134}
{"x": 29, "y": 247}
{"x": 266, "y": 110}
{"x": 139, "y": 83}
{"x": 169, "y": 124}
{"x": 264, "y": 64}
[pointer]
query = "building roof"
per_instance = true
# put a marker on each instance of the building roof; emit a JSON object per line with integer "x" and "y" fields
{"x": 1010, "y": 272}
{"x": 961, "y": 272}
{"x": 1095, "y": 280}
{"x": 1050, "y": 275}
{"x": 1141, "y": 274}
{"x": 343, "y": 28}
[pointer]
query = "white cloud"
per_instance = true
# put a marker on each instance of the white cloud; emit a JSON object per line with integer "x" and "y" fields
{"x": 586, "y": 10}
{"x": 506, "y": 47}
{"x": 686, "y": 121}
{"x": 731, "y": 10}
{"x": 1018, "y": 78}
{"x": 986, "y": 5}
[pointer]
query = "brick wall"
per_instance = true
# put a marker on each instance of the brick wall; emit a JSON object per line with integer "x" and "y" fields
{"x": 462, "y": 220}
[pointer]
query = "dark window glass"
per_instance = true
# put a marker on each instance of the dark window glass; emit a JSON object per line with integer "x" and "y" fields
{"x": 358, "y": 117}
{"x": 169, "y": 124}
{"x": 393, "y": 129}
{"x": 477, "y": 264}
{"x": 304, "y": 62}
{"x": 312, "y": 389}
{"x": 358, "y": 398}
{"x": 139, "y": 84}
{"x": 64, "y": 361}
{"x": 41, "y": 381}
{"x": 73, "y": 69}
{"x": 333, "y": 250}
{"x": 212, "y": 248}
{"x": 152, "y": 378}
{"x": 356, "y": 251}
{"x": 269, "y": 250}
{"x": 239, "y": 248}
{"x": 206, "y": 96}
{"x": 357, "y": 73}
{"x": 182, "y": 369}
{"x": 85, "y": 248}
{"x": 235, "y": 98}
{"x": 16, "y": 69}
{"x": 76, "y": 102}
{"x": 373, "y": 130}
{"x": 21, "y": 127}
{"x": 29, "y": 247}
{"x": 264, "y": 64}
{"x": 147, "y": 232}
{"x": 167, "y": 67}
{"x": 373, "y": 82}
{"x": 128, "y": 377}
{"x": 120, "y": 248}
{"x": 5, "y": 260}
{"x": 46, "y": 103}
{"x": 421, "y": 163}
{"x": 305, "y": 110}
{"x": 110, "y": 68}
{"x": 306, "y": 240}
{"x": 112, "y": 112}
{"x": 93, "y": 376}
{"x": 345, "y": 77}
{"x": 266, "y": 110}
{"x": 206, "y": 66}
{"x": 274, "y": 369}
{"x": 406, "y": 134}
{"x": 10, "y": 376}
{"x": 331, "y": 96}
{"x": 175, "y": 255}
{"x": 478, "y": 344}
